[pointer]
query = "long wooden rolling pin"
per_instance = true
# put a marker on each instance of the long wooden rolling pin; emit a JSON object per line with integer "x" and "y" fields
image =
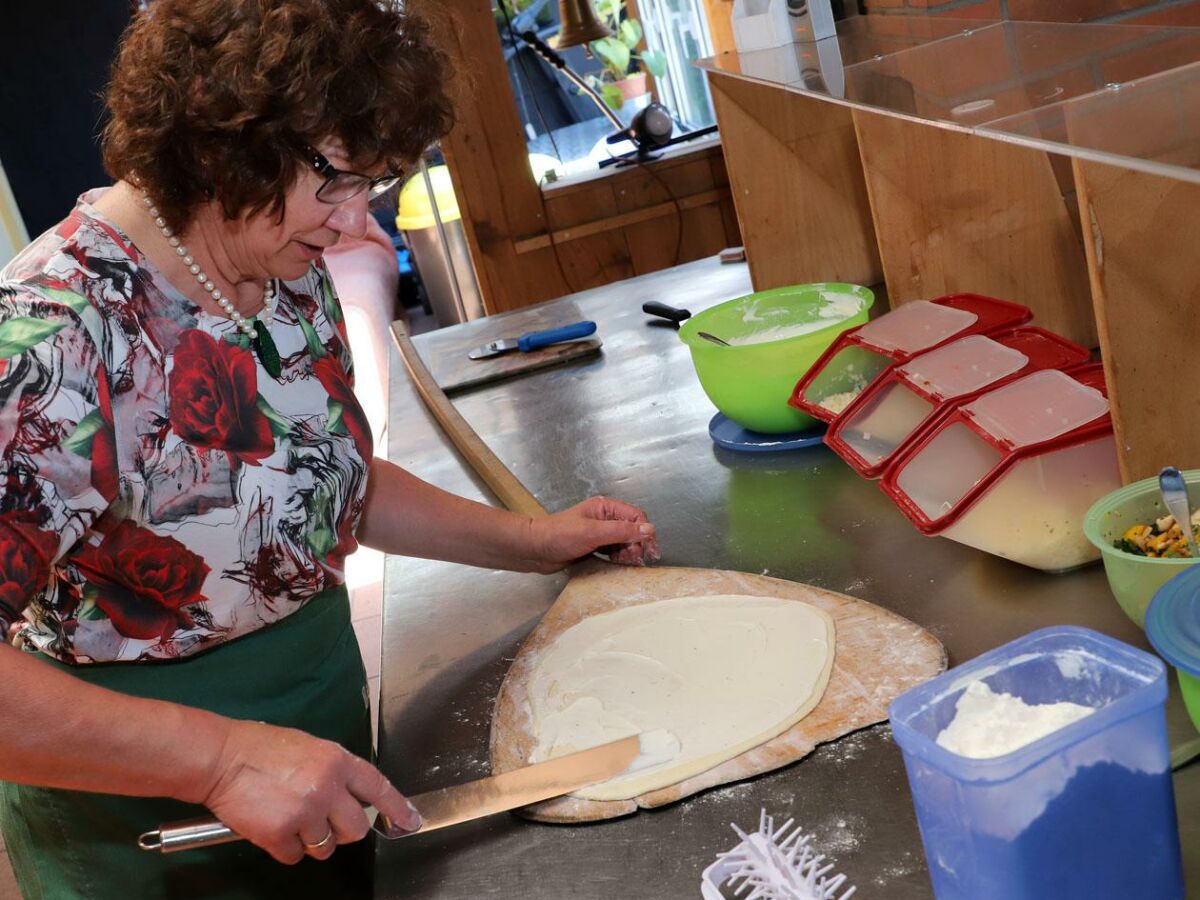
{"x": 497, "y": 476}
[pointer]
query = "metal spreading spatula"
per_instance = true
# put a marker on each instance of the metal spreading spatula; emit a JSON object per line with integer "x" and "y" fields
{"x": 1175, "y": 498}
{"x": 472, "y": 800}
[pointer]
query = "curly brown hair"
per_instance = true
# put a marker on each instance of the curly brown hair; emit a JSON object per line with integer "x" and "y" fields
{"x": 216, "y": 98}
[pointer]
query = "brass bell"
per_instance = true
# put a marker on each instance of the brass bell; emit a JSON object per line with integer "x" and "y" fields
{"x": 579, "y": 24}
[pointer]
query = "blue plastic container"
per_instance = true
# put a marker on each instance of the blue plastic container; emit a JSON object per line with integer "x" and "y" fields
{"x": 1086, "y": 812}
{"x": 1173, "y": 628}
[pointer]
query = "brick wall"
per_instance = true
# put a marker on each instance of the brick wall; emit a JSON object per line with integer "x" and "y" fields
{"x": 1139, "y": 12}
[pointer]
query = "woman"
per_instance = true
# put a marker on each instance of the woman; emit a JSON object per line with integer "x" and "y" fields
{"x": 186, "y": 467}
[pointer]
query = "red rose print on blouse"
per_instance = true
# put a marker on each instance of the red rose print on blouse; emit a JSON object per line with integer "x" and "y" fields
{"x": 104, "y": 444}
{"x": 335, "y": 381}
{"x": 213, "y": 395}
{"x": 26, "y": 552}
{"x": 143, "y": 581}
{"x": 346, "y": 544}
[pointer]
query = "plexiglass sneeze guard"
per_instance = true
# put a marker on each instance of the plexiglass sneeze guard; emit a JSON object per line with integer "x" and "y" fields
{"x": 1124, "y": 94}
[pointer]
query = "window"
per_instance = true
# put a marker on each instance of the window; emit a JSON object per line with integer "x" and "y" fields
{"x": 564, "y": 128}
{"x": 680, "y": 30}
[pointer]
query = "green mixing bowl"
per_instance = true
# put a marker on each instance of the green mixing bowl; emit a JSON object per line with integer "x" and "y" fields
{"x": 1189, "y": 686}
{"x": 751, "y": 381}
{"x": 1134, "y": 579}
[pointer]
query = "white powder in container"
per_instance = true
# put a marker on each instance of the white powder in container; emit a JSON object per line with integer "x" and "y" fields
{"x": 837, "y": 403}
{"x": 987, "y": 724}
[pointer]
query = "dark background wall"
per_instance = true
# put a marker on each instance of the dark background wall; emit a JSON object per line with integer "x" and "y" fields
{"x": 54, "y": 62}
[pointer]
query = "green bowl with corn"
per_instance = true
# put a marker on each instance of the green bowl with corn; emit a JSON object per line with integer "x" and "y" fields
{"x": 1134, "y": 578}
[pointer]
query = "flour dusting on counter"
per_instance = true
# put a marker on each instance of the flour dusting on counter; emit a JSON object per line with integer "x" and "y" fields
{"x": 987, "y": 724}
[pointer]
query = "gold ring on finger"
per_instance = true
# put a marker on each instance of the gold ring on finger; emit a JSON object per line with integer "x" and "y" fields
{"x": 319, "y": 845}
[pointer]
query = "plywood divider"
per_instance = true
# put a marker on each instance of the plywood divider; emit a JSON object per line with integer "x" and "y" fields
{"x": 954, "y": 212}
{"x": 1142, "y": 233}
{"x": 797, "y": 185}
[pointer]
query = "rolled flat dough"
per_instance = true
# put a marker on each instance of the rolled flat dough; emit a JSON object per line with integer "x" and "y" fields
{"x": 722, "y": 673}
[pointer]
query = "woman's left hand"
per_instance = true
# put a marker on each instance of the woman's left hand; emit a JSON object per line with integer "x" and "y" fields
{"x": 599, "y": 523}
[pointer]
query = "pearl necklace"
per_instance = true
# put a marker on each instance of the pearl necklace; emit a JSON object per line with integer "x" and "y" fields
{"x": 246, "y": 326}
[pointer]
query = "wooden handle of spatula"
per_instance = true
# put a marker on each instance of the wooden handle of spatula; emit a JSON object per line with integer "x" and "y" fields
{"x": 502, "y": 482}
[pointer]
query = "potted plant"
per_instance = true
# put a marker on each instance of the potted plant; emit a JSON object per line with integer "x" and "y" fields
{"x": 623, "y": 76}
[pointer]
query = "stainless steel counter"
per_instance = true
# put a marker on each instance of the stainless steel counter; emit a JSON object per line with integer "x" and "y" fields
{"x": 633, "y": 424}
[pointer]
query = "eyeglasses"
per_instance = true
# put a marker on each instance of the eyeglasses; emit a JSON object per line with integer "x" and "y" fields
{"x": 340, "y": 185}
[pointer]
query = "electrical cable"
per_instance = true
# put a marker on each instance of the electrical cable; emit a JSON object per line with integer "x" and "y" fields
{"x": 678, "y": 255}
{"x": 548, "y": 54}
{"x": 553, "y": 143}
{"x": 634, "y": 159}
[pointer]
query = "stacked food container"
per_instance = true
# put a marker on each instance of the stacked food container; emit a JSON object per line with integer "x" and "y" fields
{"x": 907, "y": 400}
{"x": 861, "y": 355}
{"x": 982, "y": 429}
{"x": 1015, "y": 471}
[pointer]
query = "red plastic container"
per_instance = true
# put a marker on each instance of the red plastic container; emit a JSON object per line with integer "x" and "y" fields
{"x": 907, "y": 399}
{"x": 1015, "y": 471}
{"x": 861, "y": 354}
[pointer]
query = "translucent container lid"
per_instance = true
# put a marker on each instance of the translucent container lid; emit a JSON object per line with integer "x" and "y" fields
{"x": 962, "y": 367}
{"x": 1037, "y": 408}
{"x": 859, "y": 357}
{"x": 895, "y": 410}
{"x": 1062, "y": 663}
{"x": 915, "y": 326}
{"x": 939, "y": 474}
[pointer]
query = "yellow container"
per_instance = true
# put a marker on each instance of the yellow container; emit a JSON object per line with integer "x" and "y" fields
{"x": 416, "y": 207}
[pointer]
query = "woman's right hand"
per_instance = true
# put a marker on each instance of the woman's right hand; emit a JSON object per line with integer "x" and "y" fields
{"x": 282, "y": 789}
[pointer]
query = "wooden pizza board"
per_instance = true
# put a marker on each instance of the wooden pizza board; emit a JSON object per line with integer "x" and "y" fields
{"x": 445, "y": 351}
{"x": 878, "y": 656}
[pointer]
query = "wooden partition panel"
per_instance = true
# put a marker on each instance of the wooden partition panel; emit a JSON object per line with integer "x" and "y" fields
{"x": 959, "y": 213}
{"x": 1145, "y": 273}
{"x": 797, "y": 184}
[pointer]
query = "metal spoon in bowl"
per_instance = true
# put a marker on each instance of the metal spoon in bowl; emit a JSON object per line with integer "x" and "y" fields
{"x": 713, "y": 338}
{"x": 1175, "y": 498}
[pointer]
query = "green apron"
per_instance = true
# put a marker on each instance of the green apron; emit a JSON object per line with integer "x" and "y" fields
{"x": 304, "y": 672}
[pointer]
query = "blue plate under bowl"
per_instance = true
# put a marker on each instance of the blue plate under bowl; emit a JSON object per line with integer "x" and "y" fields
{"x": 729, "y": 434}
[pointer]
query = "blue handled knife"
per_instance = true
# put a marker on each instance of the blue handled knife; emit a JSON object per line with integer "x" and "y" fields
{"x": 534, "y": 340}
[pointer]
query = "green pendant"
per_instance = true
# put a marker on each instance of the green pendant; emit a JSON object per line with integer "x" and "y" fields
{"x": 268, "y": 353}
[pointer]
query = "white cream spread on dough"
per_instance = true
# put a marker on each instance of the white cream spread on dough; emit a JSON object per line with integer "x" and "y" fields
{"x": 987, "y": 724}
{"x": 721, "y": 673}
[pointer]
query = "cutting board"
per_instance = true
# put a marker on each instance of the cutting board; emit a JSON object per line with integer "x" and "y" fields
{"x": 445, "y": 351}
{"x": 879, "y": 655}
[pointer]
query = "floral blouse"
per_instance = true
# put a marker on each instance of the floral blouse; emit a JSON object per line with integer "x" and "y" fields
{"x": 162, "y": 493}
